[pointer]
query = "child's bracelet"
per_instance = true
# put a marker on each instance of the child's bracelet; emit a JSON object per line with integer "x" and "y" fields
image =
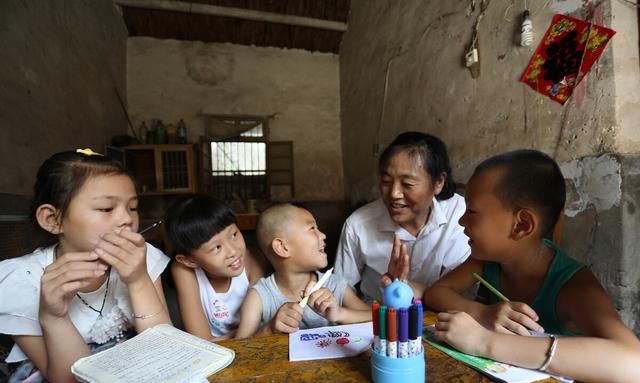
{"x": 550, "y": 353}
{"x": 143, "y": 317}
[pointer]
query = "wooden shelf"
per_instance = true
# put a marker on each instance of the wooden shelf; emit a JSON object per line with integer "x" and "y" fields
{"x": 160, "y": 169}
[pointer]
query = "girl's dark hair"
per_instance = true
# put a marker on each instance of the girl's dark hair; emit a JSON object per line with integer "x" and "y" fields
{"x": 192, "y": 220}
{"x": 530, "y": 179}
{"x": 62, "y": 175}
{"x": 432, "y": 154}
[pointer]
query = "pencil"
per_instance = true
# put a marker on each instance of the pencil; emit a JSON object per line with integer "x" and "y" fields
{"x": 491, "y": 288}
{"x": 316, "y": 287}
{"x": 156, "y": 223}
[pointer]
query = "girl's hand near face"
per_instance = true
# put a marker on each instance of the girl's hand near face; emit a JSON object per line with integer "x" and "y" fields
{"x": 126, "y": 251}
{"x": 510, "y": 318}
{"x": 63, "y": 278}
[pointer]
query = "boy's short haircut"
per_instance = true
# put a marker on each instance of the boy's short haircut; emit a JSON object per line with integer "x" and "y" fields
{"x": 193, "y": 219}
{"x": 530, "y": 179}
{"x": 272, "y": 222}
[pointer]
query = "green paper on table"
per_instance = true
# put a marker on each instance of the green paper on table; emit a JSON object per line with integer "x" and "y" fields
{"x": 495, "y": 370}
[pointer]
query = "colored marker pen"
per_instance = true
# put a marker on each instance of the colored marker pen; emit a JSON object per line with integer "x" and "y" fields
{"x": 376, "y": 327}
{"x": 403, "y": 337}
{"x": 392, "y": 333}
{"x": 414, "y": 344}
{"x": 382, "y": 322}
{"x": 420, "y": 319}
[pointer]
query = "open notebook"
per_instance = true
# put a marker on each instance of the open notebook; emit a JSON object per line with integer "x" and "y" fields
{"x": 159, "y": 354}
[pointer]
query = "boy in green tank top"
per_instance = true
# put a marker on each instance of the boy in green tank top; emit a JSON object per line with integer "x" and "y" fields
{"x": 513, "y": 200}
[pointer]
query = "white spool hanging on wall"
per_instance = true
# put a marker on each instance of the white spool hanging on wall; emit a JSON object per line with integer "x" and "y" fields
{"x": 526, "y": 31}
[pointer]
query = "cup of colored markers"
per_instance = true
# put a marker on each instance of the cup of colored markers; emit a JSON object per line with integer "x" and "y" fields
{"x": 397, "y": 329}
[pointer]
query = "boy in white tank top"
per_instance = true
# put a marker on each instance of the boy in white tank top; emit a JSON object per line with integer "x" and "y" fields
{"x": 213, "y": 270}
{"x": 294, "y": 245}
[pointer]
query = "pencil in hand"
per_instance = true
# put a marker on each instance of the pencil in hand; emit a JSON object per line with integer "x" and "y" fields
{"x": 156, "y": 223}
{"x": 491, "y": 288}
{"x": 316, "y": 287}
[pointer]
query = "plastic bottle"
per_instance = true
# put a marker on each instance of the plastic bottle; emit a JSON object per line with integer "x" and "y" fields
{"x": 182, "y": 132}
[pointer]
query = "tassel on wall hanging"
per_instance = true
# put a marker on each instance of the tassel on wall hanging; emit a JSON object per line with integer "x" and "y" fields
{"x": 565, "y": 55}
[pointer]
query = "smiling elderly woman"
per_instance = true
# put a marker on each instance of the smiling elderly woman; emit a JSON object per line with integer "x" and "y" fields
{"x": 418, "y": 204}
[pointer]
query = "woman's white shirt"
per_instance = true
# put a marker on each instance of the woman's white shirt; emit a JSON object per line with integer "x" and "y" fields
{"x": 366, "y": 243}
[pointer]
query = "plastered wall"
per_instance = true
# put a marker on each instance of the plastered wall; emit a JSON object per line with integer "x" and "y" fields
{"x": 171, "y": 79}
{"x": 62, "y": 64}
{"x": 625, "y": 49}
{"x": 602, "y": 225}
{"x": 417, "y": 48}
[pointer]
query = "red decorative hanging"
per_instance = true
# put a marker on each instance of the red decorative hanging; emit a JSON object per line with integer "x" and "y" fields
{"x": 565, "y": 56}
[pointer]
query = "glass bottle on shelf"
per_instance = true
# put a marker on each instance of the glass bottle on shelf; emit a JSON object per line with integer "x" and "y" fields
{"x": 143, "y": 131}
{"x": 151, "y": 134}
{"x": 161, "y": 133}
{"x": 182, "y": 132}
{"x": 172, "y": 132}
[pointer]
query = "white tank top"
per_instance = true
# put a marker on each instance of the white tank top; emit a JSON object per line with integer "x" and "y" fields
{"x": 222, "y": 309}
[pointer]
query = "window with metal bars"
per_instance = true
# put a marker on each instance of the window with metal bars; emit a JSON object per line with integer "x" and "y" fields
{"x": 240, "y": 163}
{"x": 238, "y": 166}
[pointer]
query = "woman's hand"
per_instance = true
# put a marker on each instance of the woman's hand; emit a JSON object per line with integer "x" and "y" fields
{"x": 462, "y": 332}
{"x": 126, "y": 251}
{"x": 510, "y": 318}
{"x": 63, "y": 278}
{"x": 398, "y": 263}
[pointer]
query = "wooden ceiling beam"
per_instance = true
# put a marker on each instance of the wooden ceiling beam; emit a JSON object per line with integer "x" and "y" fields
{"x": 238, "y": 13}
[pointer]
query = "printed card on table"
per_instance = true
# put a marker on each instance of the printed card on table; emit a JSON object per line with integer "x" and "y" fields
{"x": 330, "y": 342}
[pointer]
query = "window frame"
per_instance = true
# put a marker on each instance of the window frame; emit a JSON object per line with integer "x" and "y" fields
{"x": 207, "y": 140}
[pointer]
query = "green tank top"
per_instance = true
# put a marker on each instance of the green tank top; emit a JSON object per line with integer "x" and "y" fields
{"x": 562, "y": 269}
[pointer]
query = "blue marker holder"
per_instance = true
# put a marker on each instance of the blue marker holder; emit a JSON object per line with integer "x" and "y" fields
{"x": 398, "y": 294}
{"x": 398, "y": 370}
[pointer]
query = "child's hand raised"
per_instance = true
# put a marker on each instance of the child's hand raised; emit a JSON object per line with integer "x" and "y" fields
{"x": 510, "y": 318}
{"x": 287, "y": 318}
{"x": 126, "y": 251}
{"x": 63, "y": 278}
{"x": 325, "y": 304}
